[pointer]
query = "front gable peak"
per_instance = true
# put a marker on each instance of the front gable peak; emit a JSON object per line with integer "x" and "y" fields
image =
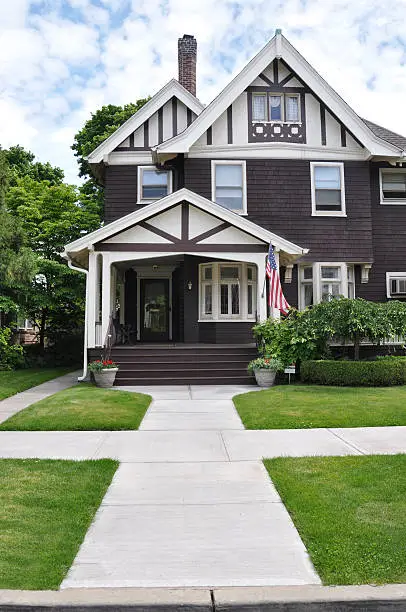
{"x": 278, "y": 97}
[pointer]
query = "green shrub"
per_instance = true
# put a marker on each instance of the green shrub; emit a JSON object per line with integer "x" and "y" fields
{"x": 11, "y": 355}
{"x": 380, "y": 373}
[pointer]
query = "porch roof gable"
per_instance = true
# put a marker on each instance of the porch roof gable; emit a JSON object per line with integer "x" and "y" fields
{"x": 227, "y": 217}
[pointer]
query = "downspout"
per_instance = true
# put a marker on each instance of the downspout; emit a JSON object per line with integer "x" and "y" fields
{"x": 72, "y": 267}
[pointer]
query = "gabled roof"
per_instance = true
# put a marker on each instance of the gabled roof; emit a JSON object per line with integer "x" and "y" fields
{"x": 173, "y": 88}
{"x": 280, "y": 48}
{"x": 183, "y": 195}
{"x": 388, "y": 135}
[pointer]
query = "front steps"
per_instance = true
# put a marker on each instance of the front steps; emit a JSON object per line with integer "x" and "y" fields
{"x": 183, "y": 364}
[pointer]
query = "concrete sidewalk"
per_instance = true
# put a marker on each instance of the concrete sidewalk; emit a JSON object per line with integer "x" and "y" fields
{"x": 191, "y": 504}
{"x": 15, "y": 403}
{"x": 179, "y": 513}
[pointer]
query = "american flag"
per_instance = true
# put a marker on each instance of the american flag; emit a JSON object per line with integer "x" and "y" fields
{"x": 276, "y": 299}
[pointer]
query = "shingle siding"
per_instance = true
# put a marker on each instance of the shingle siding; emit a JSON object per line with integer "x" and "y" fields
{"x": 279, "y": 199}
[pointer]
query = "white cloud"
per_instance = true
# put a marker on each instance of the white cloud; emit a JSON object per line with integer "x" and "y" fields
{"x": 61, "y": 64}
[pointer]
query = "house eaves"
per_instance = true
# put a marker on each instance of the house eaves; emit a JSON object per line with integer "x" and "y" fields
{"x": 172, "y": 88}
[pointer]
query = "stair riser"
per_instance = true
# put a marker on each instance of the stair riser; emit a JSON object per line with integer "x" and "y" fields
{"x": 242, "y": 380}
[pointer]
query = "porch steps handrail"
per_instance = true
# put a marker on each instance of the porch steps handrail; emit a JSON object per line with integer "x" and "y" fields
{"x": 110, "y": 339}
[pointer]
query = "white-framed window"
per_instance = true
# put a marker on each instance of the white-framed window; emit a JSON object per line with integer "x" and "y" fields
{"x": 320, "y": 282}
{"x": 276, "y": 107}
{"x": 396, "y": 285}
{"x": 392, "y": 183}
{"x": 229, "y": 185}
{"x": 328, "y": 189}
{"x": 153, "y": 184}
{"x": 228, "y": 291}
{"x": 26, "y": 324}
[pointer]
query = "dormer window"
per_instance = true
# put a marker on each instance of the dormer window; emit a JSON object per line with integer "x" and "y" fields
{"x": 270, "y": 107}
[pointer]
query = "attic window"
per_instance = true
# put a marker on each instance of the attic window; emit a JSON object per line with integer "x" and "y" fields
{"x": 393, "y": 186}
{"x": 153, "y": 184}
{"x": 270, "y": 106}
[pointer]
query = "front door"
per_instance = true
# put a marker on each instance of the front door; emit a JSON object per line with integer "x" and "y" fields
{"x": 154, "y": 310}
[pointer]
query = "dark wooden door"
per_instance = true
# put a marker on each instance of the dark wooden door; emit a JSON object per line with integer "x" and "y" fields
{"x": 154, "y": 303}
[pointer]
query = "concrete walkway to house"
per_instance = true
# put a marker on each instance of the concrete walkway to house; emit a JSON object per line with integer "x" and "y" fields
{"x": 191, "y": 504}
{"x": 19, "y": 401}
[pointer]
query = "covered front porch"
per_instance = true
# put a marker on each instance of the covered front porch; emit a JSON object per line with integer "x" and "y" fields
{"x": 180, "y": 270}
{"x": 176, "y": 298}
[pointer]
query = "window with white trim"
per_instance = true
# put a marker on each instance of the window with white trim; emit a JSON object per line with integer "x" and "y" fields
{"x": 153, "y": 184}
{"x": 328, "y": 191}
{"x": 276, "y": 107}
{"x": 321, "y": 282}
{"x": 229, "y": 185}
{"x": 228, "y": 291}
{"x": 392, "y": 185}
{"x": 396, "y": 285}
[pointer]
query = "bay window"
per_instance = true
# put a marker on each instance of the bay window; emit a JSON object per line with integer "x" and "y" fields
{"x": 321, "y": 282}
{"x": 227, "y": 291}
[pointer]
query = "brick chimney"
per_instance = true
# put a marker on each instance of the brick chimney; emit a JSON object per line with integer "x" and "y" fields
{"x": 187, "y": 54}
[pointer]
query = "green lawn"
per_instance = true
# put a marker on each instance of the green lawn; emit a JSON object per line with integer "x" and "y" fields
{"x": 350, "y": 513}
{"x": 46, "y": 508}
{"x": 12, "y": 382}
{"x": 83, "y": 407}
{"x": 306, "y": 406}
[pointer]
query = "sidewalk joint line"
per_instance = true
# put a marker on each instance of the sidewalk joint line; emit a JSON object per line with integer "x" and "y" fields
{"x": 224, "y": 445}
{"x": 349, "y": 444}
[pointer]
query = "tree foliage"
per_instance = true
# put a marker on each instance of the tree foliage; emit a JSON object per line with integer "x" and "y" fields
{"x": 22, "y": 163}
{"x": 305, "y": 335}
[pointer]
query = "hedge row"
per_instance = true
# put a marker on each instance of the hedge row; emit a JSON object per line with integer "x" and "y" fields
{"x": 381, "y": 373}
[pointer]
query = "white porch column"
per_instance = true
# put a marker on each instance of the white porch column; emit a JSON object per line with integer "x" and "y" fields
{"x": 106, "y": 294}
{"x": 91, "y": 301}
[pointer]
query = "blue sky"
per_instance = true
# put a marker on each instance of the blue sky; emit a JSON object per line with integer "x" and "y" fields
{"x": 62, "y": 59}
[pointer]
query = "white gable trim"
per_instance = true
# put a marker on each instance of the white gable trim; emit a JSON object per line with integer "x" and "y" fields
{"x": 173, "y": 88}
{"x": 120, "y": 225}
{"x": 277, "y": 47}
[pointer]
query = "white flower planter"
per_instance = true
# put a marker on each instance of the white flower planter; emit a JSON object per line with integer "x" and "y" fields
{"x": 264, "y": 377}
{"x": 105, "y": 378}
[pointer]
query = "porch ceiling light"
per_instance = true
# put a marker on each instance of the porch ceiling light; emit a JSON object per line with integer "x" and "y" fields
{"x": 189, "y": 285}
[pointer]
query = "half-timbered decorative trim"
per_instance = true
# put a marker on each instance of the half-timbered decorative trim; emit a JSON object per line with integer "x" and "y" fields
{"x": 158, "y": 231}
{"x": 323, "y": 124}
{"x": 209, "y": 136}
{"x": 146, "y": 134}
{"x": 174, "y": 115}
{"x": 230, "y": 124}
{"x": 343, "y": 136}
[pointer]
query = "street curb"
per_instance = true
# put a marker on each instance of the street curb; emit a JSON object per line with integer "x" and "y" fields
{"x": 310, "y": 598}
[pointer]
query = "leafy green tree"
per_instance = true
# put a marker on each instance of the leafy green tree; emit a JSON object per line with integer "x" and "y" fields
{"x": 17, "y": 261}
{"x": 22, "y": 163}
{"x": 52, "y": 216}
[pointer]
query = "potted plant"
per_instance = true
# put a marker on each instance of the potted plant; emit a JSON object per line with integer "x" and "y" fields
{"x": 265, "y": 369}
{"x": 104, "y": 372}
